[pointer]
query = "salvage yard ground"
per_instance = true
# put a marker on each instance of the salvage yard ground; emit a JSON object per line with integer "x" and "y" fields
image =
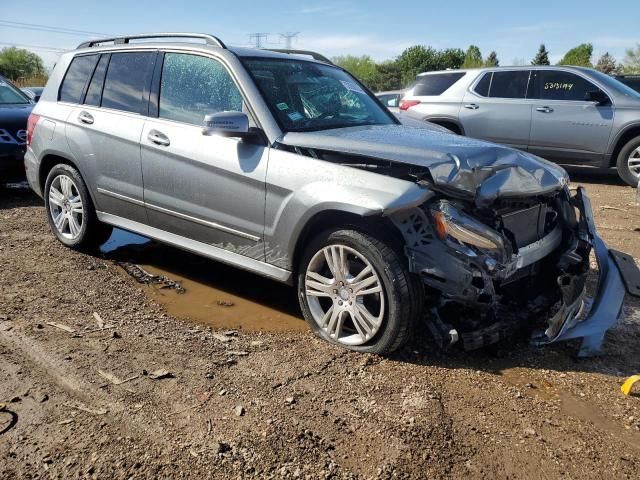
{"x": 148, "y": 387}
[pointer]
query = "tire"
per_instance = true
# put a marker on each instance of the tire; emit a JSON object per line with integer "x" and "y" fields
{"x": 628, "y": 158}
{"x": 392, "y": 313}
{"x": 67, "y": 201}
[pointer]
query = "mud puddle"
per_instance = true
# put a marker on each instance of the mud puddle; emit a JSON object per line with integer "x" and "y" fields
{"x": 215, "y": 294}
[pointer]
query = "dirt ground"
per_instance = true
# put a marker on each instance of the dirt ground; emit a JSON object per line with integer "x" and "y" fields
{"x": 267, "y": 399}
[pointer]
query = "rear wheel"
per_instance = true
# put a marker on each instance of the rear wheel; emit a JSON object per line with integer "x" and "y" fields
{"x": 628, "y": 162}
{"x": 355, "y": 291}
{"x": 70, "y": 211}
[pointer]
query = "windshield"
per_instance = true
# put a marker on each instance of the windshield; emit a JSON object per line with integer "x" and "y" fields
{"x": 11, "y": 95}
{"x": 616, "y": 85}
{"x": 306, "y": 96}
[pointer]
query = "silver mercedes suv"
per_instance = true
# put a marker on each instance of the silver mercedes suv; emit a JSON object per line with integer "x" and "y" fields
{"x": 285, "y": 165}
{"x": 569, "y": 115}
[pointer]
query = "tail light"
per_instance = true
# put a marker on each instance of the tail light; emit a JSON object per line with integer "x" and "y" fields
{"x": 31, "y": 126}
{"x": 407, "y": 104}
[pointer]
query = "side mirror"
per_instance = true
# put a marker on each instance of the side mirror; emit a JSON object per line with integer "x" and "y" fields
{"x": 227, "y": 124}
{"x": 597, "y": 96}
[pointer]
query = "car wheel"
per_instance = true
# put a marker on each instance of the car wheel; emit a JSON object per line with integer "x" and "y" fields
{"x": 70, "y": 211}
{"x": 628, "y": 163}
{"x": 356, "y": 291}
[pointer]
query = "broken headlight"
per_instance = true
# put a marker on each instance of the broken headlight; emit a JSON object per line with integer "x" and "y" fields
{"x": 457, "y": 228}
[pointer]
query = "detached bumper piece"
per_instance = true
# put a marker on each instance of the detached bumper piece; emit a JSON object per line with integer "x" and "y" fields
{"x": 618, "y": 273}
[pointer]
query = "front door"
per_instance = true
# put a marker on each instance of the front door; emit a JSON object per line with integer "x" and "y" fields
{"x": 208, "y": 188}
{"x": 565, "y": 127}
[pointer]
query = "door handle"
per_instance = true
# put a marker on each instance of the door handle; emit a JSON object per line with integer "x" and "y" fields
{"x": 471, "y": 106}
{"x": 544, "y": 109}
{"x": 85, "y": 117}
{"x": 158, "y": 138}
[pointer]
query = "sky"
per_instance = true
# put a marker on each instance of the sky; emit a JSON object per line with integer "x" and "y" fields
{"x": 381, "y": 29}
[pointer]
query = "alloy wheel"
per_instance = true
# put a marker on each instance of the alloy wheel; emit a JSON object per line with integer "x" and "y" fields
{"x": 633, "y": 162}
{"x": 345, "y": 295}
{"x": 65, "y": 207}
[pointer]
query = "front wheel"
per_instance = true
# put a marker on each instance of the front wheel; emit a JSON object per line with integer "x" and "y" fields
{"x": 628, "y": 162}
{"x": 356, "y": 291}
{"x": 70, "y": 212}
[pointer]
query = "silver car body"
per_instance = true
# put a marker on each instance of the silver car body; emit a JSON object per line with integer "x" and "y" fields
{"x": 253, "y": 205}
{"x": 569, "y": 132}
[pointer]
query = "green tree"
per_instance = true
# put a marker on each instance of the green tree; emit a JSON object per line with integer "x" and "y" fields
{"x": 363, "y": 67}
{"x": 631, "y": 62}
{"x": 18, "y": 62}
{"x": 542, "y": 57}
{"x": 492, "y": 60}
{"x": 451, "y": 58}
{"x": 415, "y": 60}
{"x": 473, "y": 57}
{"x": 606, "y": 64}
{"x": 389, "y": 76}
{"x": 579, "y": 56}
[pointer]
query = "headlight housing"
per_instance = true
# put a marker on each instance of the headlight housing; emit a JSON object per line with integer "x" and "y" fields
{"x": 457, "y": 228}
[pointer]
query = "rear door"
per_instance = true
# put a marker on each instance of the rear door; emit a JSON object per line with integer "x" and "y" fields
{"x": 496, "y": 108}
{"x": 104, "y": 131}
{"x": 566, "y": 127}
{"x": 207, "y": 188}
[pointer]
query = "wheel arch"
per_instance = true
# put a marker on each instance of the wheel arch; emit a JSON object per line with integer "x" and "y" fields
{"x": 375, "y": 225}
{"x": 627, "y": 134}
{"x": 49, "y": 161}
{"x": 447, "y": 122}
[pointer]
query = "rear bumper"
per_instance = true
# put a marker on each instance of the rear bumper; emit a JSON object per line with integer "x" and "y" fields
{"x": 31, "y": 168}
{"x": 613, "y": 283}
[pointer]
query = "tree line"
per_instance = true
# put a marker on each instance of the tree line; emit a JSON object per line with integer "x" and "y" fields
{"x": 401, "y": 71}
{"x": 19, "y": 64}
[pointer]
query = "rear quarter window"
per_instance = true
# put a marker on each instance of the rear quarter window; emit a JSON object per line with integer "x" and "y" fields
{"x": 76, "y": 78}
{"x": 434, "y": 85}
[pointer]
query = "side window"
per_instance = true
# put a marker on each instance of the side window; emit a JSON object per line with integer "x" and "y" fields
{"x": 193, "y": 86}
{"x": 76, "y": 78}
{"x": 128, "y": 77}
{"x": 482, "y": 87}
{"x": 437, "y": 84}
{"x": 558, "y": 85}
{"x": 511, "y": 84}
{"x": 94, "y": 93}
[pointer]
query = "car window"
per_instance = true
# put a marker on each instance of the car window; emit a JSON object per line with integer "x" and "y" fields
{"x": 10, "y": 94}
{"x": 390, "y": 100}
{"x": 559, "y": 85}
{"x": 193, "y": 86}
{"x": 482, "y": 87}
{"x": 128, "y": 76}
{"x": 76, "y": 78}
{"x": 509, "y": 84}
{"x": 94, "y": 93}
{"x": 310, "y": 96}
{"x": 433, "y": 85}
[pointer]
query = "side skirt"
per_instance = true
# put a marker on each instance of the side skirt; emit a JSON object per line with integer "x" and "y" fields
{"x": 206, "y": 250}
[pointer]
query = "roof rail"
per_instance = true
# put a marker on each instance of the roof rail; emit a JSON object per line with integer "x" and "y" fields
{"x": 209, "y": 39}
{"x": 314, "y": 55}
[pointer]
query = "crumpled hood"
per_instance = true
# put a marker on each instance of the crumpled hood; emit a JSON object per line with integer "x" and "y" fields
{"x": 481, "y": 170}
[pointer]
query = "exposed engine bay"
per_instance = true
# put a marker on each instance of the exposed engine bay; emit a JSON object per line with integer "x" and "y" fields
{"x": 501, "y": 244}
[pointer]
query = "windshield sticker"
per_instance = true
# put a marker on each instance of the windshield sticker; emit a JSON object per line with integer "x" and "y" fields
{"x": 354, "y": 87}
{"x": 295, "y": 116}
{"x": 558, "y": 86}
{"x": 282, "y": 106}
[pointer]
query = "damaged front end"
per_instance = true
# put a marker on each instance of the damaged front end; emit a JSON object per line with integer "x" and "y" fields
{"x": 520, "y": 264}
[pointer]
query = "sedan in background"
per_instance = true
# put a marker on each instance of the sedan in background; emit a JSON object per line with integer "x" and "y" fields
{"x": 391, "y": 99}
{"x": 15, "y": 108}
